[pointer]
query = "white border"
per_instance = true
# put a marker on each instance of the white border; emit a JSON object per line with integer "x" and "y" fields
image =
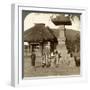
{"x": 16, "y": 77}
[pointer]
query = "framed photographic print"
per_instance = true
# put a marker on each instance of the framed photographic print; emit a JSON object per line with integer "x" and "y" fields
{"x": 47, "y": 43}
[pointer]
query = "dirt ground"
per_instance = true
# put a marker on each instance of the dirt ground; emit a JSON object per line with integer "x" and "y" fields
{"x": 62, "y": 70}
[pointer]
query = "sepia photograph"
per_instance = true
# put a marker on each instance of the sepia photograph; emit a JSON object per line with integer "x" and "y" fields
{"x": 51, "y": 43}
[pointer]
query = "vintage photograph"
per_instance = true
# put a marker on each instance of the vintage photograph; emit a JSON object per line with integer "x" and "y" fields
{"x": 51, "y": 43}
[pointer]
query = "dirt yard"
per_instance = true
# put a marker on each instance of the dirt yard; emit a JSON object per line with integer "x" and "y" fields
{"x": 62, "y": 69}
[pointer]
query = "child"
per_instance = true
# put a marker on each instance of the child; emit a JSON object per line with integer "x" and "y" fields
{"x": 43, "y": 60}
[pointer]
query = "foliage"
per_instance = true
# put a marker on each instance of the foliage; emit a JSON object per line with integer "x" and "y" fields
{"x": 73, "y": 44}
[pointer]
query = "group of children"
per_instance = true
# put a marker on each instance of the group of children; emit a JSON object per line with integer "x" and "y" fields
{"x": 48, "y": 59}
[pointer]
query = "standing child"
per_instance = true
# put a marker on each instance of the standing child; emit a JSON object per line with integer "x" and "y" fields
{"x": 56, "y": 58}
{"x": 43, "y": 60}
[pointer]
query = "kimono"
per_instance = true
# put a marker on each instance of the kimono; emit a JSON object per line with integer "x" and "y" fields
{"x": 33, "y": 58}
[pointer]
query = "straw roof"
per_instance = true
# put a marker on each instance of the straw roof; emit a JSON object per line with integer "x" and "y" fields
{"x": 61, "y": 20}
{"x": 39, "y": 33}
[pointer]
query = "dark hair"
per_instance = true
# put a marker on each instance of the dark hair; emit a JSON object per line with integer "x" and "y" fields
{"x": 56, "y": 52}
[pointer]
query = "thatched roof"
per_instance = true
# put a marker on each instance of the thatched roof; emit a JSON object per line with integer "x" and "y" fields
{"x": 39, "y": 33}
{"x": 61, "y": 20}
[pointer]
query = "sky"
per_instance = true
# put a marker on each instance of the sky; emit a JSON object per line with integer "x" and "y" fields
{"x": 33, "y": 18}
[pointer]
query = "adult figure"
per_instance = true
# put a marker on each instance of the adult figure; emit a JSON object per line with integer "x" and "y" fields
{"x": 49, "y": 59}
{"x": 33, "y": 59}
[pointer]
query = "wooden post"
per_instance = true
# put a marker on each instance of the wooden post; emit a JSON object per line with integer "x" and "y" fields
{"x": 65, "y": 33}
{"x": 29, "y": 48}
{"x": 41, "y": 47}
